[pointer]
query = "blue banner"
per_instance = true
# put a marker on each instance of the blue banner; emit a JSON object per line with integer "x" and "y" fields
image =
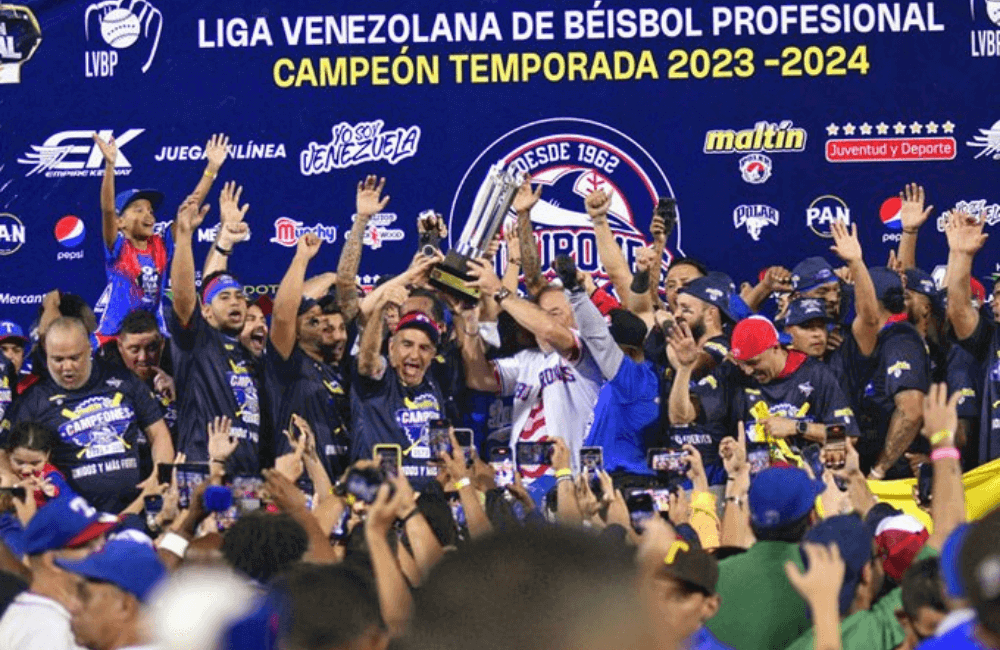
{"x": 765, "y": 121}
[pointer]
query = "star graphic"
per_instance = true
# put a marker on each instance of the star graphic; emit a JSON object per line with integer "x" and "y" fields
{"x": 932, "y": 127}
{"x": 882, "y": 128}
{"x": 916, "y": 127}
{"x": 866, "y": 129}
{"x": 848, "y": 129}
{"x": 899, "y": 128}
{"x": 366, "y": 279}
{"x": 948, "y": 127}
{"x": 832, "y": 130}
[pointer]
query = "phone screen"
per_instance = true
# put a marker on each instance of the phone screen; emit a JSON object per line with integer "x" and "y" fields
{"x": 437, "y": 438}
{"x": 836, "y": 434}
{"x": 165, "y": 473}
{"x": 592, "y": 459}
{"x": 503, "y": 466}
{"x": 758, "y": 457}
{"x": 153, "y": 504}
{"x": 669, "y": 461}
{"x": 364, "y": 484}
{"x": 640, "y": 509}
{"x": 464, "y": 438}
{"x": 189, "y": 477}
{"x": 390, "y": 458}
{"x": 534, "y": 453}
{"x": 813, "y": 455}
{"x": 925, "y": 478}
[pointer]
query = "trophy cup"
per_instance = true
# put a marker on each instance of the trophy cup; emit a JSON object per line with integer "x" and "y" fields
{"x": 492, "y": 202}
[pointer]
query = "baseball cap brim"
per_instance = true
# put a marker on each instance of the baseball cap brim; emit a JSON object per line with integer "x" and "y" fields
{"x": 92, "y": 532}
{"x": 154, "y": 197}
{"x": 14, "y": 337}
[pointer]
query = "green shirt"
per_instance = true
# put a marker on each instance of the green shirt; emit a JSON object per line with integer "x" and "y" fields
{"x": 760, "y": 608}
{"x": 873, "y": 629}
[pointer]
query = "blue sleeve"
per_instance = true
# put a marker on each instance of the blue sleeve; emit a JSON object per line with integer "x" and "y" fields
{"x": 112, "y": 254}
{"x": 906, "y": 365}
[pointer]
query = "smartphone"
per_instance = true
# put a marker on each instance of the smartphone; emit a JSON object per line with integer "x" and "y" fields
{"x": 592, "y": 462}
{"x": 660, "y": 497}
{"x": 534, "y": 453}
{"x": 503, "y": 466}
{"x": 340, "y": 530}
{"x": 16, "y": 492}
{"x": 363, "y": 484}
{"x": 666, "y": 208}
{"x": 668, "y": 461}
{"x": 165, "y": 473}
{"x": 640, "y": 509}
{"x": 390, "y": 459}
{"x": 836, "y": 436}
{"x": 438, "y": 439}
{"x": 246, "y": 493}
{"x": 925, "y": 477}
{"x": 189, "y": 477}
{"x": 758, "y": 457}
{"x": 812, "y": 454}
{"x": 153, "y": 504}
{"x": 464, "y": 438}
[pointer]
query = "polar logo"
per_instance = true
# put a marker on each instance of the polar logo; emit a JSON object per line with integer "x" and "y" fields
{"x": 570, "y": 158}
{"x": 755, "y": 218}
{"x": 122, "y": 24}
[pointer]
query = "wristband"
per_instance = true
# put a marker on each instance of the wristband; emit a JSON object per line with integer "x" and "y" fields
{"x": 946, "y": 452}
{"x": 413, "y": 513}
{"x": 564, "y": 472}
{"x": 941, "y": 436}
{"x": 462, "y": 483}
{"x": 222, "y": 251}
{"x": 876, "y": 474}
{"x": 911, "y": 231}
{"x": 175, "y": 544}
{"x": 564, "y": 477}
{"x": 211, "y": 175}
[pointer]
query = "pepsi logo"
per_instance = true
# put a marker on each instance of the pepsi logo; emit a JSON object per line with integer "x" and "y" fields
{"x": 890, "y": 213}
{"x": 70, "y": 231}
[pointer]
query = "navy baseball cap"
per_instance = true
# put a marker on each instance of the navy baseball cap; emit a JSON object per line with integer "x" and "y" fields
{"x": 782, "y": 495}
{"x": 123, "y": 199}
{"x": 421, "y": 321}
{"x": 10, "y": 330}
{"x": 131, "y": 566}
{"x": 306, "y": 305}
{"x": 885, "y": 281}
{"x": 854, "y": 542}
{"x": 804, "y": 310}
{"x": 921, "y": 281}
{"x": 811, "y": 273}
{"x": 67, "y": 521}
{"x": 713, "y": 289}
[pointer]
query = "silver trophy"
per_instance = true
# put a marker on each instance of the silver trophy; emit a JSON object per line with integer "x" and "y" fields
{"x": 493, "y": 201}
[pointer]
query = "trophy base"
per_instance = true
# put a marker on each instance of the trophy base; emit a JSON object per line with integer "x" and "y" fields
{"x": 451, "y": 280}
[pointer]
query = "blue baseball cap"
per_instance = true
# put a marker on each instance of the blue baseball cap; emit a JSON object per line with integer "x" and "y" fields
{"x": 951, "y": 570}
{"x": 811, "y": 273}
{"x": 804, "y": 310}
{"x": 782, "y": 495}
{"x": 123, "y": 199}
{"x": 11, "y": 330}
{"x": 885, "y": 281}
{"x": 854, "y": 542}
{"x": 713, "y": 289}
{"x": 131, "y": 566}
{"x": 306, "y": 304}
{"x": 921, "y": 281}
{"x": 67, "y": 521}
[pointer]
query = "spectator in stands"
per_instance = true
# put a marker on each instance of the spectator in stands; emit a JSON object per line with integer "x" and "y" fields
{"x": 806, "y": 322}
{"x": 112, "y": 586}
{"x": 13, "y": 344}
{"x": 98, "y": 413}
{"x": 923, "y": 603}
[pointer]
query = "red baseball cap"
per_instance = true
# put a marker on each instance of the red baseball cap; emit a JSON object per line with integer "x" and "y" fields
{"x": 752, "y": 336}
{"x": 978, "y": 290}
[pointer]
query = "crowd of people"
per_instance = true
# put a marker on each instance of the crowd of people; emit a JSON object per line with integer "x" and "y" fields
{"x": 662, "y": 461}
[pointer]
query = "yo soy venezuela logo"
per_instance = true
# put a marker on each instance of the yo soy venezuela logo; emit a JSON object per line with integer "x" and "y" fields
{"x": 570, "y": 158}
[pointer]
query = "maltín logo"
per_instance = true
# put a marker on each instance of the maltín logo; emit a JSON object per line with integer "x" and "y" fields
{"x": 570, "y": 158}
{"x": 126, "y": 26}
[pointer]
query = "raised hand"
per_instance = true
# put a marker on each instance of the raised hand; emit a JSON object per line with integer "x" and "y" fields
{"x": 221, "y": 442}
{"x": 308, "y": 246}
{"x": 432, "y": 222}
{"x": 965, "y": 234}
{"x": 216, "y": 151}
{"x": 560, "y": 454}
{"x": 190, "y": 216}
{"x": 369, "y": 199}
{"x": 778, "y": 278}
{"x": 680, "y": 507}
{"x": 912, "y": 214}
{"x": 163, "y": 384}
{"x": 822, "y": 581}
{"x": 645, "y": 259}
{"x": 525, "y": 199}
{"x": 696, "y": 469}
{"x": 484, "y": 277}
{"x": 734, "y": 456}
{"x": 685, "y": 348}
{"x": 598, "y": 203}
{"x": 230, "y": 211}
{"x": 658, "y": 230}
{"x": 109, "y": 149}
{"x": 940, "y": 412}
{"x": 394, "y": 295}
{"x": 846, "y": 244}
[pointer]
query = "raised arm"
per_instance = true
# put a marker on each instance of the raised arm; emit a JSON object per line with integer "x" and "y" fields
{"x": 232, "y": 229}
{"x": 658, "y": 229}
{"x": 776, "y": 278}
{"x": 216, "y": 151}
{"x": 530, "y": 316}
{"x": 531, "y": 264}
{"x": 965, "y": 238}
{"x": 595, "y": 334}
{"x": 912, "y": 215}
{"x": 109, "y": 216}
{"x": 479, "y": 373}
{"x": 371, "y": 363}
{"x": 598, "y": 203}
{"x": 681, "y": 409}
{"x": 189, "y": 217}
{"x": 866, "y": 323}
{"x": 904, "y": 425}
{"x": 286, "y": 301}
{"x": 368, "y": 201}
{"x": 393, "y": 595}
{"x": 947, "y": 490}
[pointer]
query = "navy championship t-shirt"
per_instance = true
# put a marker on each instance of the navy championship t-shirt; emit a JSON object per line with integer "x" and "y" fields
{"x": 8, "y": 382}
{"x": 711, "y": 395}
{"x": 317, "y": 392}
{"x": 384, "y": 411}
{"x": 215, "y": 376}
{"x": 984, "y": 344}
{"x": 99, "y": 426}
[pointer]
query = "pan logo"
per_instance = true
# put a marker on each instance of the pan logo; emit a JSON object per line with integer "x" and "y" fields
{"x": 823, "y": 211}
{"x": 570, "y": 158}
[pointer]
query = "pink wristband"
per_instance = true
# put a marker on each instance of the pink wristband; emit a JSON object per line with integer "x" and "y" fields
{"x": 946, "y": 452}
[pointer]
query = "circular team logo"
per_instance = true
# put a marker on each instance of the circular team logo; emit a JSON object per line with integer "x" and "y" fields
{"x": 570, "y": 158}
{"x": 11, "y": 233}
{"x": 890, "y": 213}
{"x": 70, "y": 231}
{"x": 755, "y": 168}
{"x": 823, "y": 211}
